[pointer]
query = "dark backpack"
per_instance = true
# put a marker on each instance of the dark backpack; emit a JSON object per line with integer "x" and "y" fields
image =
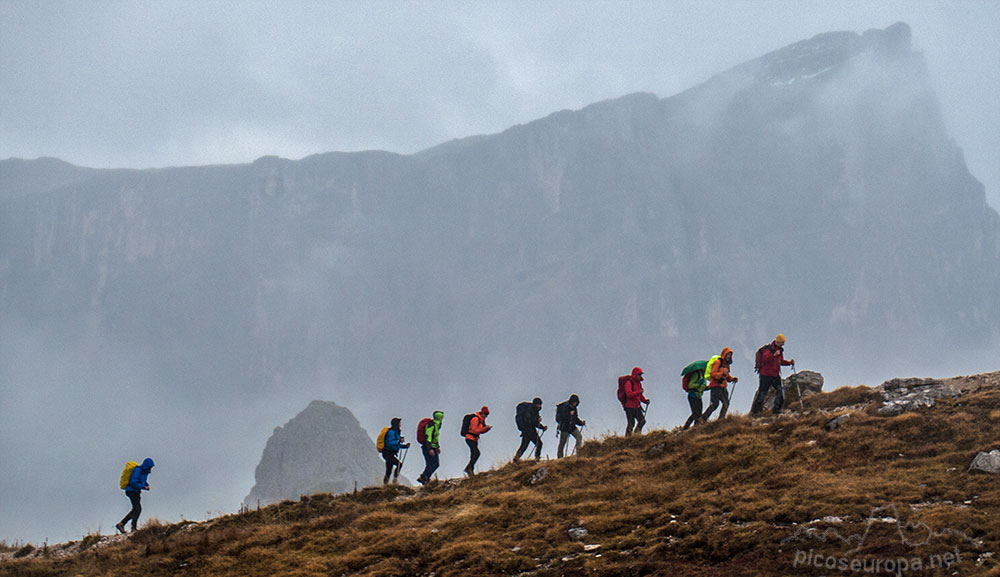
{"x": 563, "y": 414}
{"x": 622, "y": 383}
{"x": 521, "y": 416}
{"x": 757, "y": 358}
{"x": 422, "y": 430}
{"x": 466, "y": 422}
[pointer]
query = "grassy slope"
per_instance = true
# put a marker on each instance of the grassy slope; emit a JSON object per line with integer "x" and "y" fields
{"x": 729, "y": 498}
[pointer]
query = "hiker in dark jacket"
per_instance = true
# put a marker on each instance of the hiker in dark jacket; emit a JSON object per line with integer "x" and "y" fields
{"x": 529, "y": 421}
{"x": 718, "y": 377}
{"x": 392, "y": 443}
{"x": 477, "y": 426}
{"x": 632, "y": 403}
{"x": 567, "y": 421}
{"x": 136, "y": 484}
{"x": 769, "y": 360}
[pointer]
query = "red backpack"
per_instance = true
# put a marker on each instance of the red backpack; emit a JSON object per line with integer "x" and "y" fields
{"x": 422, "y": 430}
{"x": 622, "y": 383}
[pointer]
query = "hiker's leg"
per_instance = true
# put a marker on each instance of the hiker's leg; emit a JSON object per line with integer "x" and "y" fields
{"x": 724, "y": 394}
{"x": 630, "y": 418}
{"x": 779, "y": 394}
{"x": 473, "y": 454}
{"x": 695, "y": 404}
{"x": 758, "y": 398}
{"x": 525, "y": 439}
{"x": 538, "y": 446}
{"x": 133, "y": 497}
{"x": 435, "y": 463}
{"x": 133, "y": 515}
{"x": 640, "y": 418}
{"x": 426, "y": 475}
{"x": 563, "y": 435}
{"x": 714, "y": 404}
{"x": 387, "y": 456}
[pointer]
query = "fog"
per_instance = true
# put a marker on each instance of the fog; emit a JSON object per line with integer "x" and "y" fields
{"x": 118, "y": 84}
{"x": 114, "y": 84}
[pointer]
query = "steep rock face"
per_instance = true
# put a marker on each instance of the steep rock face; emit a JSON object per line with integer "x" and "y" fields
{"x": 322, "y": 450}
{"x": 814, "y": 188}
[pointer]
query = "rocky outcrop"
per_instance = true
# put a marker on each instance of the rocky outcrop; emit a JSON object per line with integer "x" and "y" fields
{"x": 322, "y": 450}
{"x": 903, "y": 395}
{"x": 809, "y": 382}
{"x": 986, "y": 462}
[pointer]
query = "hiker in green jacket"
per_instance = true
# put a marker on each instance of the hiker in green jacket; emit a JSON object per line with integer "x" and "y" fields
{"x": 694, "y": 384}
{"x": 431, "y": 447}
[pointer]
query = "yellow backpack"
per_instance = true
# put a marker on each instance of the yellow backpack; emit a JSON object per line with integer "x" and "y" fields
{"x": 380, "y": 442}
{"x": 127, "y": 473}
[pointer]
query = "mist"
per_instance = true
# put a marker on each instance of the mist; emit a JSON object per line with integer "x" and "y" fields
{"x": 209, "y": 305}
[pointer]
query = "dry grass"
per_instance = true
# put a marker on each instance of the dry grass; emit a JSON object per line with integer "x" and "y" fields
{"x": 736, "y": 497}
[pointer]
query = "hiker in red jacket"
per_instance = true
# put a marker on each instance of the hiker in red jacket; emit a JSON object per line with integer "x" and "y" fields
{"x": 770, "y": 358}
{"x": 477, "y": 426}
{"x": 719, "y": 379}
{"x": 632, "y": 403}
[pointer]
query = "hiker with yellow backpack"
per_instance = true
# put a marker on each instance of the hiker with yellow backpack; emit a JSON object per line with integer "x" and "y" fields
{"x": 389, "y": 442}
{"x": 718, "y": 377}
{"x": 133, "y": 481}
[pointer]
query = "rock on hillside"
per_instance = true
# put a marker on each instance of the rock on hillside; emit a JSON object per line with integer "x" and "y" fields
{"x": 322, "y": 450}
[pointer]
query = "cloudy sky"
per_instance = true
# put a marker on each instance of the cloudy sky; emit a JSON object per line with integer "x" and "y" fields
{"x": 139, "y": 84}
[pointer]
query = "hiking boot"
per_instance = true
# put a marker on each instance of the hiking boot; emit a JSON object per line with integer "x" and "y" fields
{"x": 385, "y": 480}
{"x": 421, "y": 480}
{"x": 469, "y": 472}
{"x": 121, "y": 528}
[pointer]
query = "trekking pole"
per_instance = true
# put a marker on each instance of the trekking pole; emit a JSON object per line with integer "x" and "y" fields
{"x": 401, "y": 461}
{"x": 795, "y": 379}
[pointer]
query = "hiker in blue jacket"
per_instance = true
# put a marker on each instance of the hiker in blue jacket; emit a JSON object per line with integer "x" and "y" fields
{"x": 392, "y": 444}
{"x": 136, "y": 484}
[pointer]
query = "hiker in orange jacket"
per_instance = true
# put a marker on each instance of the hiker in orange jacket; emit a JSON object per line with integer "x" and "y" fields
{"x": 718, "y": 381}
{"x": 477, "y": 426}
{"x": 634, "y": 397}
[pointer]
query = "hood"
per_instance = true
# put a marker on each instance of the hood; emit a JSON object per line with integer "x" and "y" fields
{"x": 147, "y": 464}
{"x": 725, "y": 351}
{"x": 438, "y": 416}
{"x": 636, "y": 371}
